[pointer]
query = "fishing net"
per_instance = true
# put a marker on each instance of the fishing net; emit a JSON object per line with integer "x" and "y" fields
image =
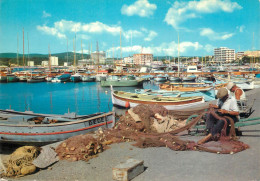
{"x": 20, "y": 162}
{"x": 150, "y": 126}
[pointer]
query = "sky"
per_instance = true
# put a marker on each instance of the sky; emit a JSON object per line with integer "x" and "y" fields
{"x": 160, "y": 27}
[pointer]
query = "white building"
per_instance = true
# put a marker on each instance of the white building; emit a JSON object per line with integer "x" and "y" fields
{"x": 99, "y": 57}
{"x": 143, "y": 59}
{"x": 54, "y": 61}
{"x": 224, "y": 54}
{"x": 45, "y": 63}
{"x": 30, "y": 63}
{"x": 67, "y": 64}
{"x": 128, "y": 60}
{"x": 239, "y": 55}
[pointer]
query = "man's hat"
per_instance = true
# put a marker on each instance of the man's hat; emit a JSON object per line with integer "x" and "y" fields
{"x": 222, "y": 92}
{"x": 230, "y": 85}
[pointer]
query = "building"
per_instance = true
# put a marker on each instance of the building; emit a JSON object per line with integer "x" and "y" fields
{"x": 252, "y": 53}
{"x": 30, "y": 63}
{"x": 224, "y": 54}
{"x": 45, "y": 63}
{"x": 54, "y": 61}
{"x": 143, "y": 59}
{"x": 239, "y": 55}
{"x": 99, "y": 57}
{"x": 67, "y": 64}
{"x": 128, "y": 60}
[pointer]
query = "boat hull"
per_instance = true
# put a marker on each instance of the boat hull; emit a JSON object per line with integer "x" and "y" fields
{"x": 170, "y": 105}
{"x": 121, "y": 83}
{"x": 49, "y": 133}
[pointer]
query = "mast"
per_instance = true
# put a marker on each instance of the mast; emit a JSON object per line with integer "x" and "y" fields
{"x": 17, "y": 50}
{"x": 97, "y": 58}
{"x": 49, "y": 58}
{"x": 28, "y": 49}
{"x": 74, "y": 64}
{"x": 67, "y": 52}
{"x": 178, "y": 55}
{"x": 120, "y": 46}
{"x": 81, "y": 50}
{"x": 23, "y": 48}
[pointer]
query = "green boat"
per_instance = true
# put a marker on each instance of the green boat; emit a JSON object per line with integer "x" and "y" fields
{"x": 12, "y": 78}
{"x": 126, "y": 81}
{"x": 3, "y": 78}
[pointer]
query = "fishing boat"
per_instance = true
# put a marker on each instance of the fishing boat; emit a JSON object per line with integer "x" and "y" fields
{"x": 126, "y": 81}
{"x": 128, "y": 99}
{"x": 62, "y": 78}
{"x": 191, "y": 78}
{"x": 3, "y": 78}
{"x": 160, "y": 78}
{"x": 75, "y": 77}
{"x": 36, "y": 79}
{"x": 88, "y": 78}
{"x": 12, "y": 78}
{"x": 189, "y": 87}
{"x": 175, "y": 79}
{"x": 209, "y": 95}
{"x": 31, "y": 128}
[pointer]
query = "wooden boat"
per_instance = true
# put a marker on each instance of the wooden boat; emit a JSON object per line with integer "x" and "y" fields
{"x": 31, "y": 128}
{"x": 160, "y": 78}
{"x": 189, "y": 79}
{"x": 127, "y": 81}
{"x": 175, "y": 79}
{"x": 36, "y": 79}
{"x": 128, "y": 99}
{"x": 12, "y": 78}
{"x": 62, "y": 78}
{"x": 208, "y": 95}
{"x": 189, "y": 87}
{"x": 88, "y": 78}
{"x": 75, "y": 77}
{"x": 3, "y": 78}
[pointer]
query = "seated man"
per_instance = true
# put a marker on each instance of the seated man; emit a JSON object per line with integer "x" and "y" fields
{"x": 238, "y": 92}
{"x": 227, "y": 106}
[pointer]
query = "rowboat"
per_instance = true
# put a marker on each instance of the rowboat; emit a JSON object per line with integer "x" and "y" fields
{"x": 126, "y": 81}
{"x": 128, "y": 99}
{"x": 189, "y": 87}
{"x": 31, "y": 128}
{"x": 35, "y": 79}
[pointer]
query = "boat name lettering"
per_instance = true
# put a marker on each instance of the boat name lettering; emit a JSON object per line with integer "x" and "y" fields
{"x": 95, "y": 121}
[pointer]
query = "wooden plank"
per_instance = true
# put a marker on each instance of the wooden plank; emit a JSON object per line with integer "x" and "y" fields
{"x": 128, "y": 170}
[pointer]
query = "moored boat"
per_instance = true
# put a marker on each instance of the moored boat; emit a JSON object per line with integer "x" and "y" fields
{"x": 127, "y": 99}
{"x": 30, "y": 128}
{"x": 88, "y": 78}
{"x": 35, "y": 79}
{"x": 12, "y": 78}
{"x": 76, "y": 77}
{"x": 126, "y": 81}
{"x": 3, "y": 78}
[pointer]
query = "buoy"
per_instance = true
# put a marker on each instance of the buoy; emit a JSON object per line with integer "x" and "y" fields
{"x": 127, "y": 105}
{"x": 106, "y": 92}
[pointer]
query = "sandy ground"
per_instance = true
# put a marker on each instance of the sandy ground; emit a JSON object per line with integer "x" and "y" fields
{"x": 164, "y": 164}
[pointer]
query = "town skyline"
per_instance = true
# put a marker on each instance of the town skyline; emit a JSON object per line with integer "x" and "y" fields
{"x": 145, "y": 26}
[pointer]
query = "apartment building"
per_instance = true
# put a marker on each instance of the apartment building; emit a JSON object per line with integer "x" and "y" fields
{"x": 224, "y": 54}
{"x": 143, "y": 59}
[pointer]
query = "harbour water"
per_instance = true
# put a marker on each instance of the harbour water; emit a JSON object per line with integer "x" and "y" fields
{"x": 59, "y": 98}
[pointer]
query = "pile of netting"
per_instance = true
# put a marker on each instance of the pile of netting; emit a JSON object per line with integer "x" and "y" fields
{"x": 20, "y": 162}
{"x": 148, "y": 126}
